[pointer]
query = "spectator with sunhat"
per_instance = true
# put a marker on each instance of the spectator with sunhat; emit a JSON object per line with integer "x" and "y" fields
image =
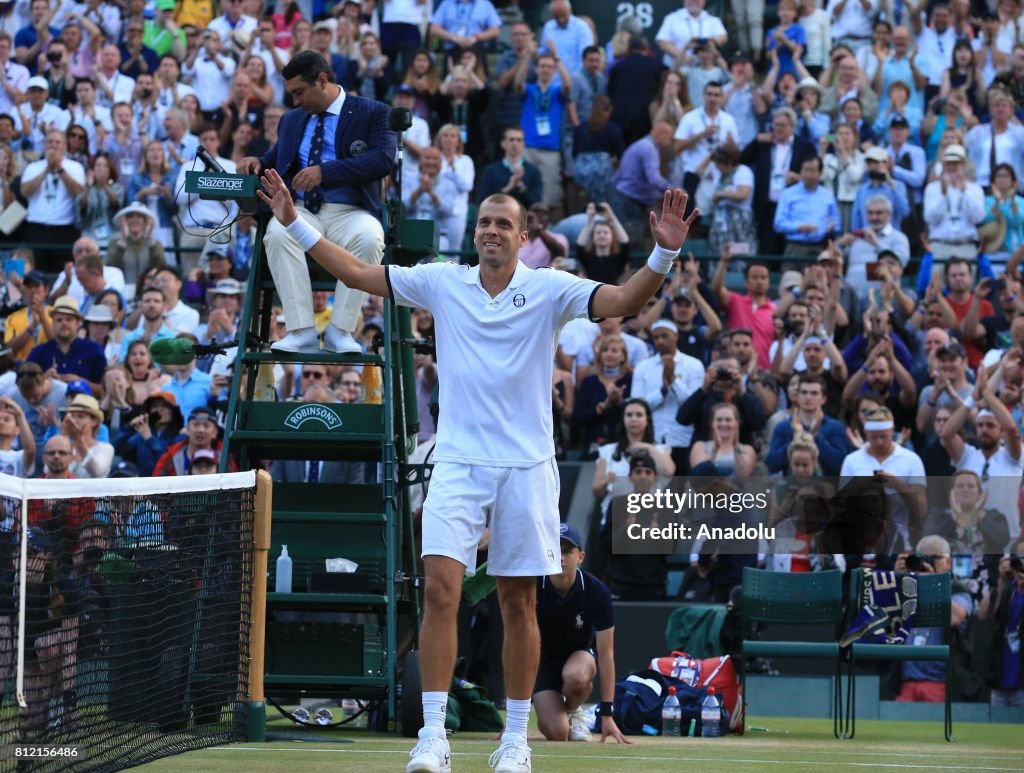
{"x": 32, "y": 325}
{"x": 80, "y": 425}
{"x": 954, "y": 207}
{"x": 134, "y": 250}
{"x": 66, "y": 356}
{"x": 99, "y": 323}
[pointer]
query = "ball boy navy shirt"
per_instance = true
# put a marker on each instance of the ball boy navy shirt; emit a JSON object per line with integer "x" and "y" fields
{"x": 568, "y": 623}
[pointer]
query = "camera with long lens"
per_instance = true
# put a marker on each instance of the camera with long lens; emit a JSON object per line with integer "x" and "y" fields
{"x": 916, "y": 562}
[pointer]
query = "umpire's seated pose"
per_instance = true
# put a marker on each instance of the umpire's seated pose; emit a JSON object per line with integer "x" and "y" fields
{"x": 333, "y": 150}
{"x": 574, "y": 614}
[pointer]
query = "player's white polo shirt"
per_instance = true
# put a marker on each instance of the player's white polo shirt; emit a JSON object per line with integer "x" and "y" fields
{"x": 901, "y": 463}
{"x": 495, "y": 356}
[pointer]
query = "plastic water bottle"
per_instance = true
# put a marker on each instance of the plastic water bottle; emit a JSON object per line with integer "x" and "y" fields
{"x": 671, "y": 715}
{"x": 710, "y": 716}
{"x": 283, "y": 577}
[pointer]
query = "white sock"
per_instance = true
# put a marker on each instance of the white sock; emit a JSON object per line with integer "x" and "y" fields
{"x": 516, "y": 719}
{"x": 435, "y": 708}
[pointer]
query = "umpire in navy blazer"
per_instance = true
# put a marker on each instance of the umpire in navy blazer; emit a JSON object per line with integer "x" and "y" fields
{"x": 333, "y": 151}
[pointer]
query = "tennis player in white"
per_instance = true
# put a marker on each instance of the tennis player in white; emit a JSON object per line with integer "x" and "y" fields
{"x": 496, "y": 326}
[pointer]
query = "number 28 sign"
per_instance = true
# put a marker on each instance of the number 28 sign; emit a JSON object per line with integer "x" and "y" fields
{"x": 649, "y": 13}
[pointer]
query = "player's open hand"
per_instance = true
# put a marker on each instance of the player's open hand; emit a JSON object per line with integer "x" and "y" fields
{"x": 275, "y": 195}
{"x": 610, "y": 730}
{"x": 671, "y": 229}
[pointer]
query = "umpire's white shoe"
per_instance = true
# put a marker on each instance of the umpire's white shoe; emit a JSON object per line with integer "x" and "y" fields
{"x": 303, "y": 341}
{"x": 340, "y": 341}
{"x": 511, "y": 757}
{"x": 430, "y": 755}
{"x": 578, "y": 729}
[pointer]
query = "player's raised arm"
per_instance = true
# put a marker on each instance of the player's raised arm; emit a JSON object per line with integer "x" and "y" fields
{"x": 669, "y": 232}
{"x": 341, "y": 263}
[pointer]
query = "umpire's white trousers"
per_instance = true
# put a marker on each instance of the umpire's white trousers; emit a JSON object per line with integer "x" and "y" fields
{"x": 350, "y": 227}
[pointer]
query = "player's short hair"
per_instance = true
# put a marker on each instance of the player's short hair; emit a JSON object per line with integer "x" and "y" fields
{"x": 503, "y": 198}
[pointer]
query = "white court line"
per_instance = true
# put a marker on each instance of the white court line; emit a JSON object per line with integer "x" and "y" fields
{"x": 627, "y": 757}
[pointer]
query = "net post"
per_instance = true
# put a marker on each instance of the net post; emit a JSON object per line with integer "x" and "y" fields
{"x": 256, "y": 721}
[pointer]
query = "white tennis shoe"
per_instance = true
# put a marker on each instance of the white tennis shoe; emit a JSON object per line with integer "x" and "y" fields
{"x": 511, "y": 757}
{"x": 431, "y": 755}
{"x": 578, "y": 728}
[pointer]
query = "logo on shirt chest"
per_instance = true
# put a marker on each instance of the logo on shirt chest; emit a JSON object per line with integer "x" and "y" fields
{"x": 519, "y": 300}
{"x": 579, "y": 622}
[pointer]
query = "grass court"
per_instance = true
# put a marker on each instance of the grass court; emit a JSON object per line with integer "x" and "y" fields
{"x": 790, "y": 745}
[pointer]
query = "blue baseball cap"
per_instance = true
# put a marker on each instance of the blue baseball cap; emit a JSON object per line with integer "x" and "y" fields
{"x": 39, "y": 540}
{"x": 569, "y": 534}
{"x": 80, "y": 387}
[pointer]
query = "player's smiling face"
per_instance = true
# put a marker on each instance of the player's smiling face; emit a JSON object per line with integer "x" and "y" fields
{"x": 499, "y": 232}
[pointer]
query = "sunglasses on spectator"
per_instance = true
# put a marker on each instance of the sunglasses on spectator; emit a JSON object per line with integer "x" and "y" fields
{"x": 313, "y": 374}
{"x": 351, "y": 383}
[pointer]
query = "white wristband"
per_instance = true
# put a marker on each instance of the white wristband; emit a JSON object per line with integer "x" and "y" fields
{"x": 661, "y": 260}
{"x": 302, "y": 232}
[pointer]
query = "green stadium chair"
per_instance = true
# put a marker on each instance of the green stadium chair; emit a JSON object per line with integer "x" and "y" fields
{"x": 784, "y": 598}
{"x": 933, "y": 609}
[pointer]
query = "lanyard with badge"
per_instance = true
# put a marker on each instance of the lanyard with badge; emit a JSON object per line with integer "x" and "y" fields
{"x": 956, "y": 218}
{"x": 460, "y": 117}
{"x": 52, "y": 182}
{"x": 542, "y": 108}
{"x": 711, "y": 141}
{"x": 780, "y": 163}
{"x": 463, "y": 16}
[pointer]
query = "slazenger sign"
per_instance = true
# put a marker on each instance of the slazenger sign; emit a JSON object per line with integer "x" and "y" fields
{"x": 312, "y": 412}
{"x": 221, "y": 183}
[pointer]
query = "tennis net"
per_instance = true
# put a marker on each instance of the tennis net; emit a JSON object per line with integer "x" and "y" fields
{"x": 126, "y": 614}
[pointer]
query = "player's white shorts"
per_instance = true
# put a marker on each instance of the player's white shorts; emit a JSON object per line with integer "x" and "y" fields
{"x": 520, "y": 506}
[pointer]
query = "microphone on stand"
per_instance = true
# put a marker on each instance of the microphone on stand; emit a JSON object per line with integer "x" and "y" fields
{"x": 399, "y": 119}
{"x": 181, "y": 351}
{"x": 212, "y": 164}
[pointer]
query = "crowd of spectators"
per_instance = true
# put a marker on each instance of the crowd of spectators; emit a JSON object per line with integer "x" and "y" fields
{"x": 857, "y": 166}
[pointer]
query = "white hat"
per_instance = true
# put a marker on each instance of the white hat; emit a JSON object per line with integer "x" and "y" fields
{"x": 227, "y": 287}
{"x": 665, "y": 324}
{"x": 954, "y": 153}
{"x": 875, "y": 153}
{"x": 37, "y": 82}
{"x": 99, "y": 313}
{"x": 135, "y": 208}
{"x": 809, "y": 83}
